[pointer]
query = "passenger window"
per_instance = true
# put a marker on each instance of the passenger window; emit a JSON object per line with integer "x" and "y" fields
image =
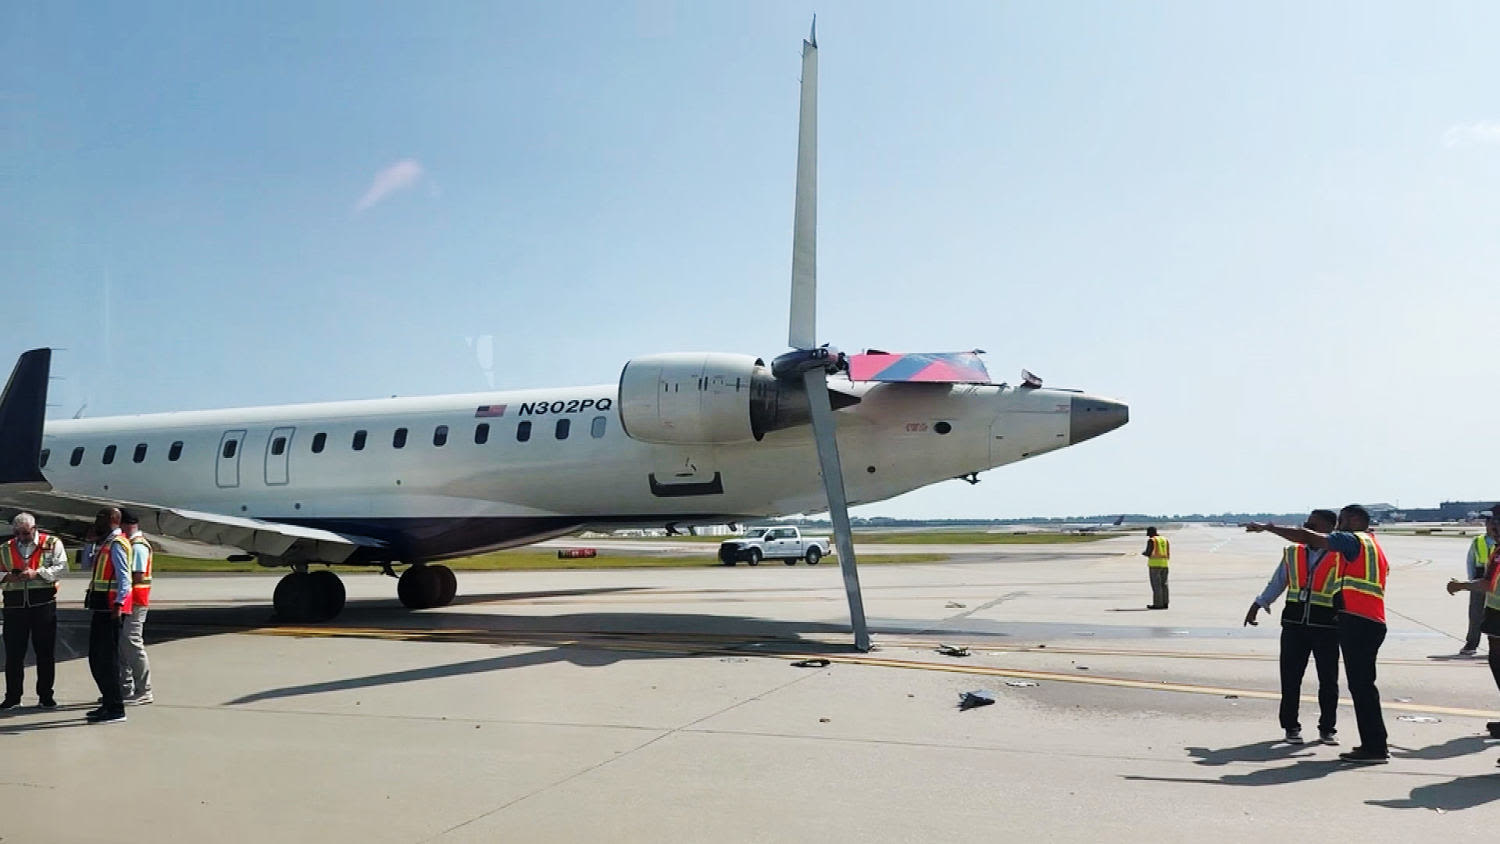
{"x": 320, "y": 439}
{"x": 523, "y": 431}
{"x": 562, "y": 428}
{"x": 109, "y": 454}
{"x": 596, "y": 430}
{"x": 278, "y": 446}
{"x": 46, "y": 453}
{"x": 399, "y": 440}
{"x": 77, "y": 456}
{"x": 175, "y": 451}
{"x": 230, "y": 447}
{"x": 140, "y": 453}
{"x": 440, "y": 436}
{"x": 481, "y": 433}
{"x": 359, "y": 440}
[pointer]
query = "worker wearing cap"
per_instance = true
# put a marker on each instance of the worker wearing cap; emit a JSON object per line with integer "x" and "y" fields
{"x": 1360, "y": 602}
{"x": 33, "y": 563}
{"x": 1309, "y": 626}
{"x": 1480, "y": 551}
{"x": 1158, "y": 556}
{"x": 109, "y": 598}
{"x": 135, "y": 668}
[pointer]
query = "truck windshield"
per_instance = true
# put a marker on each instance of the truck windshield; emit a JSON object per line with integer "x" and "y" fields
{"x": 755, "y": 533}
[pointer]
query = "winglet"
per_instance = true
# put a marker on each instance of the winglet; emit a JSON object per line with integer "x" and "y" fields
{"x": 23, "y": 409}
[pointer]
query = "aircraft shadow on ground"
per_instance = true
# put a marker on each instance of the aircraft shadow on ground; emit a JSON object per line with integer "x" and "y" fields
{"x": 583, "y": 639}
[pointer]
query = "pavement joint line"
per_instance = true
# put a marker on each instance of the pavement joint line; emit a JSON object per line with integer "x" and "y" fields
{"x": 694, "y": 649}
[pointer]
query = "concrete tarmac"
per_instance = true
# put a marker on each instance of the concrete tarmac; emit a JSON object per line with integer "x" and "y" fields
{"x": 663, "y": 705}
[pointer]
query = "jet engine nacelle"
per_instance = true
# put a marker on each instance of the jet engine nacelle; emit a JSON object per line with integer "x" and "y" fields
{"x": 697, "y": 398}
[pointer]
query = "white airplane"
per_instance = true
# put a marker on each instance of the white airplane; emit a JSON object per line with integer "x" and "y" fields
{"x": 681, "y": 439}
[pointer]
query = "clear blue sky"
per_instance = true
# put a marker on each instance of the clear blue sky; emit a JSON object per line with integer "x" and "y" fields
{"x": 1272, "y": 229}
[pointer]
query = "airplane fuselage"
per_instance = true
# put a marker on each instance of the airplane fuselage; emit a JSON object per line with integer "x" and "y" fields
{"x": 444, "y": 476}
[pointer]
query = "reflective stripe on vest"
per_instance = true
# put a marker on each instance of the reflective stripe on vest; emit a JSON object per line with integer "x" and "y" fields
{"x": 104, "y": 575}
{"x": 1310, "y": 589}
{"x": 1481, "y": 552}
{"x": 26, "y": 591}
{"x": 140, "y": 593}
{"x": 1161, "y": 552}
{"x": 1362, "y": 580}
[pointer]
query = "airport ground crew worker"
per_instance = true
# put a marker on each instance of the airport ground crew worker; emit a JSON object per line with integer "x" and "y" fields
{"x": 1360, "y": 602}
{"x": 33, "y": 562}
{"x": 1480, "y": 551}
{"x": 1309, "y": 625}
{"x": 1158, "y": 556}
{"x": 109, "y": 598}
{"x": 135, "y": 668}
{"x": 1487, "y": 587}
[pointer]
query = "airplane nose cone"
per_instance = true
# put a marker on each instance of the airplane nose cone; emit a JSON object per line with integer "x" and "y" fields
{"x": 1089, "y": 417}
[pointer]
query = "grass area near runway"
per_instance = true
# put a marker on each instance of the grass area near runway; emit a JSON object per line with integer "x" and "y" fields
{"x": 917, "y": 537}
{"x": 975, "y": 538}
{"x": 527, "y": 560}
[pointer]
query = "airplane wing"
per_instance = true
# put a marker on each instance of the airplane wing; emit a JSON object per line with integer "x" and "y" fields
{"x": 930, "y": 367}
{"x": 23, "y": 487}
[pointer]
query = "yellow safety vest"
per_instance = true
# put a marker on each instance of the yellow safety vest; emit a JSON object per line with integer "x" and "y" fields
{"x": 1161, "y": 552}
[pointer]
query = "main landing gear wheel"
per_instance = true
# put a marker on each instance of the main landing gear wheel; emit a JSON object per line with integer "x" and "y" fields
{"x": 309, "y": 596}
{"x": 424, "y": 587}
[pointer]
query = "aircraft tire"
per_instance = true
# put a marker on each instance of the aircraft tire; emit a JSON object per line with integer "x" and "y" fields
{"x": 295, "y": 597}
{"x": 447, "y": 585}
{"x": 413, "y": 588}
{"x": 329, "y": 593}
{"x": 814, "y": 556}
{"x": 754, "y": 557}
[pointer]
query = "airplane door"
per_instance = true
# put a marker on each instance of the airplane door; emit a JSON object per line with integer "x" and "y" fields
{"x": 228, "y": 464}
{"x": 278, "y": 452}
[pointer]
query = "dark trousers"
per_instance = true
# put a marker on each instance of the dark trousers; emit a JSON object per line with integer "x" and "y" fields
{"x": 1359, "y": 640}
{"x": 1159, "y": 592}
{"x": 1298, "y": 641}
{"x": 1476, "y": 618}
{"x": 104, "y": 659}
{"x": 1495, "y": 660}
{"x": 38, "y": 625}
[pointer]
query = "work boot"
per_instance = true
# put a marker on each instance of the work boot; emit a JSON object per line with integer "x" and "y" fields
{"x": 1328, "y": 736}
{"x": 9, "y": 704}
{"x": 47, "y": 702}
{"x": 1294, "y": 737}
{"x": 1494, "y": 728}
{"x": 1361, "y": 756}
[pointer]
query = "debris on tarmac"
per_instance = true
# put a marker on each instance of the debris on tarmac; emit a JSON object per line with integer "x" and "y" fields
{"x": 1231, "y": 697}
{"x": 815, "y": 662}
{"x": 953, "y": 650}
{"x": 954, "y": 605}
{"x": 1419, "y": 719}
{"x": 1401, "y": 699}
{"x": 1021, "y": 684}
{"x": 974, "y": 699}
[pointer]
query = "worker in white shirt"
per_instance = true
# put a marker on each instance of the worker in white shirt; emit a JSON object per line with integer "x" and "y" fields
{"x": 33, "y": 562}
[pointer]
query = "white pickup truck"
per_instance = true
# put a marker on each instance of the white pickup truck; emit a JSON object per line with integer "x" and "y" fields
{"x": 769, "y": 543}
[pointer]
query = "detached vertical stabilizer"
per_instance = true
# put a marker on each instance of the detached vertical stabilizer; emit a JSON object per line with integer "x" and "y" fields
{"x": 23, "y": 410}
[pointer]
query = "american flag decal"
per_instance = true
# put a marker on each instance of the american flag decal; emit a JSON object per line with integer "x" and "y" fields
{"x": 485, "y": 411}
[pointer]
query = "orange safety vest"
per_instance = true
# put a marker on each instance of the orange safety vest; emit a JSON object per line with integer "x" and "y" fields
{"x": 1309, "y": 590}
{"x": 1362, "y": 580}
{"x": 1492, "y": 579}
{"x": 140, "y": 593}
{"x": 25, "y": 593}
{"x": 103, "y": 593}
